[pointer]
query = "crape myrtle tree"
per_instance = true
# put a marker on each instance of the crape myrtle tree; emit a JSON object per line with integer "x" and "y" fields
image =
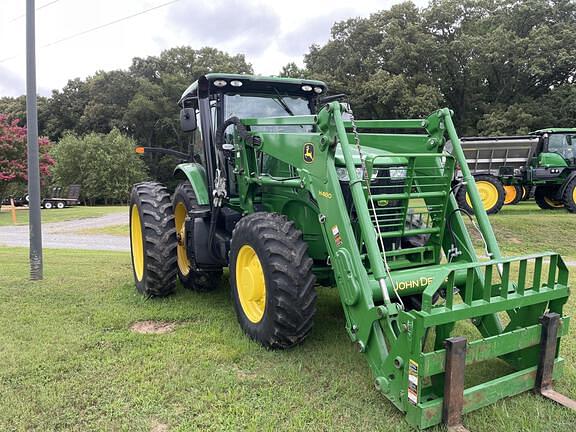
{"x": 13, "y": 157}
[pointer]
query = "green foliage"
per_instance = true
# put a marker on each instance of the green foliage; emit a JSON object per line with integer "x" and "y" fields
{"x": 140, "y": 101}
{"x": 291, "y": 70}
{"x": 104, "y": 165}
{"x": 503, "y": 66}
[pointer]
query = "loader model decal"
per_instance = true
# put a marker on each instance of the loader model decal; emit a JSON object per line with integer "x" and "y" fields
{"x": 416, "y": 283}
{"x": 308, "y": 152}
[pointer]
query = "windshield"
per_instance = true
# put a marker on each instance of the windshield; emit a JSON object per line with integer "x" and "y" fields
{"x": 246, "y": 106}
{"x": 562, "y": 144}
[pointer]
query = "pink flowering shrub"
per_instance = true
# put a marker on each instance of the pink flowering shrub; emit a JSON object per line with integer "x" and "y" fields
{"x": 13, "y": 154}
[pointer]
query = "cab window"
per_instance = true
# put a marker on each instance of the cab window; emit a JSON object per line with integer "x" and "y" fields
{"x": 563, "y": 144}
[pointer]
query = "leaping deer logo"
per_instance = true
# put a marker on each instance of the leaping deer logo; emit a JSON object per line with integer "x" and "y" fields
{"x": 308, "y": 153}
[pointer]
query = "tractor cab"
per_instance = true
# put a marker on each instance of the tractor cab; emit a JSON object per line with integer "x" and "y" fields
{"x": 557, "y": 147}
{"x": 246, "y": 96}
{"x": 214, "y": 99}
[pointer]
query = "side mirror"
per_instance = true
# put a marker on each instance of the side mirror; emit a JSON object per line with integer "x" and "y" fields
{"x": 188, "y": 119}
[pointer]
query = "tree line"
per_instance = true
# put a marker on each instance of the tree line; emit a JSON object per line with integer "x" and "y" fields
{"x": 94, "y": 124}
{"x": 503, "y": 66}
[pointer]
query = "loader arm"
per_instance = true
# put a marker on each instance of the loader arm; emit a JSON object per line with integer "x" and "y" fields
{"x": 391, "y": 293}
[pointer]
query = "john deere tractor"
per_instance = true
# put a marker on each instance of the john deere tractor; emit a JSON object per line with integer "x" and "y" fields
{"x": 287, "y": 190}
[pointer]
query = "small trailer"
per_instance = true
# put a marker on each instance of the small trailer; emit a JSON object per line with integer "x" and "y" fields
{"x": 58, "y": 201}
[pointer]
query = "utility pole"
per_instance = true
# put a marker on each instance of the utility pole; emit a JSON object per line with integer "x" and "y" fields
{"x": 35, "y": 224}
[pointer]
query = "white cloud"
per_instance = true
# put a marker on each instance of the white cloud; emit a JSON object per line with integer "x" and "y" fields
{"x": 271, "y": 34}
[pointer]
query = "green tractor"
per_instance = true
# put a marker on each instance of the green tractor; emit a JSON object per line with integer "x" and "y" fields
{"x": 506, "y": 168}
{"x": 287, "y": 190}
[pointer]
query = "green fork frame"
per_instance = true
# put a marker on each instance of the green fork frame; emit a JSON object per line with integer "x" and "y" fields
{"x": 424, "y": 382}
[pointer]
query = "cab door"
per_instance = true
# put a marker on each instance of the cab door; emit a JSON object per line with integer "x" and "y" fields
{"x": 563, "y": 144}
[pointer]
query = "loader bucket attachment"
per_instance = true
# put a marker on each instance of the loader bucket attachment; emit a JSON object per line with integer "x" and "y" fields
{"x": 531, "y": 289}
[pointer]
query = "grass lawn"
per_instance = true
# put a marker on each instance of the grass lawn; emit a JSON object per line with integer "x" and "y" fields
{"x": 58, "y": 215}
{"x": 525, "y": 228}
{"x": 70, "y": 362}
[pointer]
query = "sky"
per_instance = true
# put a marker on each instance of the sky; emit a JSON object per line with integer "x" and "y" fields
{"x": 270, "y": 33}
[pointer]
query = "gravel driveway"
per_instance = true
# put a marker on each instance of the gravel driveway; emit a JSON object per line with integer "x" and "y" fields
{"x": 66, "y": 235}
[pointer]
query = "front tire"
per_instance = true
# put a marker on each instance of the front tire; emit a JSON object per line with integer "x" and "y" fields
{"x": 544, "y": 197}
{"x": 190, "y": 276}
{"x": 48, "y": 205}
{"x": 152, "y": 239}
{"x": 272, "y": 281}
{"x": 491, "y": 192}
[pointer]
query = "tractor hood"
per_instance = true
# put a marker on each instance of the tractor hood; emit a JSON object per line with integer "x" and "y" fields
{"x": 385, "y": 158}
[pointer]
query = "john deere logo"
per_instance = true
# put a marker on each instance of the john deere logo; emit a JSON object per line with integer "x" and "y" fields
{"x": 308, "y": 152}
{"x": 382, "y": 203}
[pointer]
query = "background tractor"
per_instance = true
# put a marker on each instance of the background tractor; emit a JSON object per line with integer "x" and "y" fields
{"x": 287, "y": 190}
{"x": 506, "y": 168}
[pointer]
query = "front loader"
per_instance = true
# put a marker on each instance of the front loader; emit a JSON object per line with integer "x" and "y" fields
{"x": 289, "y": 191}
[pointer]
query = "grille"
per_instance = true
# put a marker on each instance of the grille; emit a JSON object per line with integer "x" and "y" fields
{"x": 409, "y": 204}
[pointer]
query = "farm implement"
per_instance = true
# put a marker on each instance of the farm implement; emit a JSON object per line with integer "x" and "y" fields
{"x": 506, "y": 168}
{"x": 288, "y": 191}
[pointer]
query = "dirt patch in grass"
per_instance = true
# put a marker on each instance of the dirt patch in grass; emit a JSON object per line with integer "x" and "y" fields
{"x": 153, "y": 327}
{"x": 159, "y": 427}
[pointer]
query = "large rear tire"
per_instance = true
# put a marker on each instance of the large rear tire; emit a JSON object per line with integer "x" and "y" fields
{"x": 569, "y": 197}
{"x": 544, "y": 197}
{"x": 272, "y": 281}
{"x": 190, "y": 276}
{"x": 491, "y": 192}
{"x": 152, "y": 239}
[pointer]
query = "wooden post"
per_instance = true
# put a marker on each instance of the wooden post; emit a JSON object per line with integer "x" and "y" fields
{"x": 13, "y": 211}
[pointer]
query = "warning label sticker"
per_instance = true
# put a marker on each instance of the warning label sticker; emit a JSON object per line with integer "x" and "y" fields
{"x": 413, "y": 382}
{"x": 337, "y": 236}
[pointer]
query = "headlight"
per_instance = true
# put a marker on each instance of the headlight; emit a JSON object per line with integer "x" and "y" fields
{"x": 342, "y": 173}
{"x": 398, "y": 173}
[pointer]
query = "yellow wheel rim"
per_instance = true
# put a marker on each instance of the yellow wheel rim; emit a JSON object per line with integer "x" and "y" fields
{"x": 574, "y": 195}
{"x": 137, "y": 243}
{"x": 488, "y": 194}
{"x": 510, "y": 194}
{"x": 553, "y": 203}
{"x": 180, "y": 213}
{"x": 250, "y": 284}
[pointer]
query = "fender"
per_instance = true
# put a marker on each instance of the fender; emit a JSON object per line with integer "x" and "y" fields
{"x": 196, "y": 175}
{"x": 571, "y": 176}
